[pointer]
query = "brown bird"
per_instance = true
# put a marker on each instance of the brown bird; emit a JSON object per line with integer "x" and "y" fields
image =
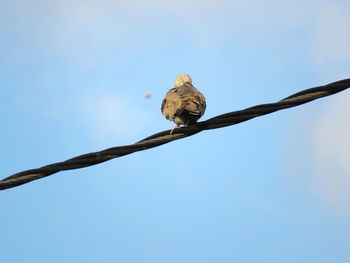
{"x": 183, "y": 104}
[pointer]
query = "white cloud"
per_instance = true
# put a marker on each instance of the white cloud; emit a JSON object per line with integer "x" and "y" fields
{"x": 87, "y": 32}
{"x": 329, "y": 149}
{"x": 330, "y": 38}
{"x": 77, "y": 28}
{"x": 110, "y": 118}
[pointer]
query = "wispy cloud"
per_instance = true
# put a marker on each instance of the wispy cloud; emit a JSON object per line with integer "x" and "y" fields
{"x": 326, "y": 152}
{"x": 330, "y": 38}
{"x": 109, "y": 117}
{"x": 83, "y": 31}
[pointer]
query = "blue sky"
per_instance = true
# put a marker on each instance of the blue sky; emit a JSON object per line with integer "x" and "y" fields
{"x": 73, "y": 75}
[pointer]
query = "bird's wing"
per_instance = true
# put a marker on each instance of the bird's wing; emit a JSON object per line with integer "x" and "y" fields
{"x": 184, "y": 98}
{"x": 171, "y": 103}
{"x": 163, "y": 105}
{"x": 194, "y": 102}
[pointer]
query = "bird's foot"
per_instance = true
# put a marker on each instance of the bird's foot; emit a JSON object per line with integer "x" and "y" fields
{"x": 173, "y": 129}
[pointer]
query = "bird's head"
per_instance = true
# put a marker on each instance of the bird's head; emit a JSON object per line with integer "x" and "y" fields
{"x": 182, "y": 79}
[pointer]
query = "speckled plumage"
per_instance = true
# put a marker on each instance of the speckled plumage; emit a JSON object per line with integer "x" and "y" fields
{"x": 183, "y": 104}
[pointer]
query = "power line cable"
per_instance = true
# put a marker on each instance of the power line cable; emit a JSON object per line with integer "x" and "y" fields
{"x": 164, "y": 137}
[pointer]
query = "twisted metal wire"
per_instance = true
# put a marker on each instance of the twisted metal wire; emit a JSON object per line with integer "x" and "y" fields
{"x": 164, "y": 137}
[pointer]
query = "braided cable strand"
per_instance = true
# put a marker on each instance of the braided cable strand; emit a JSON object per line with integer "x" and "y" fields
{"x": 164, "y": 137}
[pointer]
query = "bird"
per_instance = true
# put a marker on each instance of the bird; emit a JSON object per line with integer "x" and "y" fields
{"x": 183, "y": 104}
